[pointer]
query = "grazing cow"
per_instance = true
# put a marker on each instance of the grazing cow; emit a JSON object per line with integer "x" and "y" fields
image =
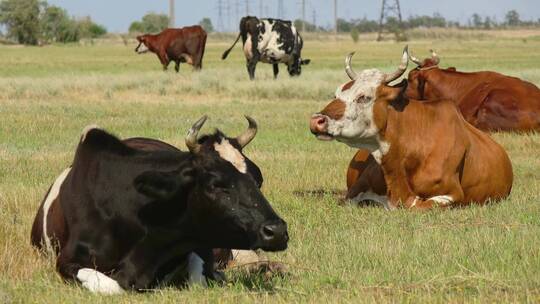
{"x": 179, "y": 45}
{"x": 429, "y": 154}
{"x": 139, "y": 213}
{"x": 271, "y": 41}
{"x": 488, "y": 100}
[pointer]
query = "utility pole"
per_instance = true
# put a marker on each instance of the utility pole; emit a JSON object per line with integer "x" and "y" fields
{"x": 281, "y": 10}
{"x": 335, "y": 18}
{"x": 390, "y": 8}
{"x": 171, "y": 13}
{"x": 303, "y": 15}
{"x": 220, "y": 16}
{"x": 228, "y": 4}
{"x": 314, "y": 19}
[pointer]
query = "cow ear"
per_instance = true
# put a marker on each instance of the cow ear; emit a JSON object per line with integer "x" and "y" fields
{"x": 305, "y": 61}
{"x": 163, "y": 185}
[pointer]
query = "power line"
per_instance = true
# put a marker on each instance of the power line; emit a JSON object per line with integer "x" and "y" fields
{"x": 220, "y": 16}
{"x": 390, "y": 8}
{"x": 335, "y": 17}
{"x": 303, "y": 15}
{"x": 171, "y": 13}
{"x": 281, "y": 10}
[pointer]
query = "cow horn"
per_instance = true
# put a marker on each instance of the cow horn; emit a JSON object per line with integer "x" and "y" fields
{"x": 435, "y": 57}
{"x": 191, "y": 138}
{"x": 416, "y": 61}
{"x": 402, "y": 67}
{"x": 248, "y": 135}
{"x": 348, "y": 69}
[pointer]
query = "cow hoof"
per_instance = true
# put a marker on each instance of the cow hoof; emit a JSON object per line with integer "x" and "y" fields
{"x": 97, "y": 282}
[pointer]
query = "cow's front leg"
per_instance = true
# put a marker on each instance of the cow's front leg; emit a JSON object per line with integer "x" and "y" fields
{"x": 435, "y": 184}
{"x": 141, "y": 268}
{"x": 89, "y": 278}
{"x": 177, "y": 66}
{"x": 442, "y": 201}
{"x": 164, "y": 59}
{"x": 276, "y": 70}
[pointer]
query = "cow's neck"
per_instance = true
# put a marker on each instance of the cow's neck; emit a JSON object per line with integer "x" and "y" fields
{"x": 388, "y": 116}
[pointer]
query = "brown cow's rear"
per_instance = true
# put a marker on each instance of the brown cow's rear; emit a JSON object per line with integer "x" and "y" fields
{"x": 490, "y": 101}
{"x": 185, "y": 44}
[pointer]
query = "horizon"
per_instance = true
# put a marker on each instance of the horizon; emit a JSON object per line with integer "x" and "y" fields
{"x": 319, "y": 11}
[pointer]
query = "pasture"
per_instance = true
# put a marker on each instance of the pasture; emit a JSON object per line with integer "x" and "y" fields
{"x": 336, "y": 254}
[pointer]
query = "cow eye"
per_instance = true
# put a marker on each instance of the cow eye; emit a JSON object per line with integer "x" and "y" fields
{"x": 361, "y": 99}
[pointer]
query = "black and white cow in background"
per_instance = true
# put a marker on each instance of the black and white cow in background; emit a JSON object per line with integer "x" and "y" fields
{"x": 139, "y": 213}
{"x": 271, "y": 41}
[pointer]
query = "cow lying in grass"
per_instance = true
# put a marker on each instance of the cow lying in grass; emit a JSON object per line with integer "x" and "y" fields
{"x": 488, "y": 100}
{"x": 430, "y": 156}
{"x": 139, "y": 213}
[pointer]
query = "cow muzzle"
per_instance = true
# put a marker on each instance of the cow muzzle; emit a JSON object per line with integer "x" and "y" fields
{"x": 319, "y": 127}
{"x": 141, "y": 48}
{"x": 273, "y": 236}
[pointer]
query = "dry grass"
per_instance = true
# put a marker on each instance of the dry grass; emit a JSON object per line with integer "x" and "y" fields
{"x": 336, "y": 254}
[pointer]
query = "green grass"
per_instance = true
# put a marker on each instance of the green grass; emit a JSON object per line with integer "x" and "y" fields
{"x": 336, "y": 254}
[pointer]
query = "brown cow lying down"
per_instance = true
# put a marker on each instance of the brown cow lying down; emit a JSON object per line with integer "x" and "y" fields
{"x": 488, "y": 100}
{"x": 179, "y": 45}
{"x": 429, "y": 154}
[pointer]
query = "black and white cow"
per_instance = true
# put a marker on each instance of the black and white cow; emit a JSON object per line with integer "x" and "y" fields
{"x": 138, "y": 213}
{"x": 271, "y": 41}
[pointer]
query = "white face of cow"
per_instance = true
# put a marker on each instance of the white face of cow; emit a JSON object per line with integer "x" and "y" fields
{"x": 141, "y": 47}
{"x": 356, "y": 126}
{"x": 349, "y": 118}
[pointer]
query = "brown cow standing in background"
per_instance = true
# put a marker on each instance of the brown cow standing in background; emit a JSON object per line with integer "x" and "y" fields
{"x": 488, "y": 100}
{"x": 179, "y": 45}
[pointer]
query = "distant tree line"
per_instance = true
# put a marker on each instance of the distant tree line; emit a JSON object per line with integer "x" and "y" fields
{"x": 363, "y": 25}
{"x": 35, "y": 21}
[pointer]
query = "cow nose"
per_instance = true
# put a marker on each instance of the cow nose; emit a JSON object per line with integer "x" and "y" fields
{"x": 274, "y": 236}
{"x": 318, "y": 124}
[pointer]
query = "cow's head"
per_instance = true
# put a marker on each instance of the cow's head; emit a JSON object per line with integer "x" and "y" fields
{"x": 353, "y": 117}
{"x": 295, "y": 67}
{"x": 418, "y": 85}
{"x": 221, "y": 202}
{"x": 142, "y": 47}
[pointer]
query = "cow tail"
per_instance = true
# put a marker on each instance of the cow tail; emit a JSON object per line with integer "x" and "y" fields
{"x": 226, "y": 53}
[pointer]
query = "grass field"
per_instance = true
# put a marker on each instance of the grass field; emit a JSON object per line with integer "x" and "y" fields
{"x": 336, "y": 254}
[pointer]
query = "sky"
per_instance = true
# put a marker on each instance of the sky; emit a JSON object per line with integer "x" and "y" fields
{"x": 117, "y": 15}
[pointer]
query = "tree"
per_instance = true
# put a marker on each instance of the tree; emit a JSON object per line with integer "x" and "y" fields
{"x": 344, "y": 25}
{"x": 136, "y": 27}
{"x": 512, "y": 18}
{"x": 90, "y": 29}
{"x": 354, "y": 35}
{"x": 21, "y": 19}
{"x": 57, "y": 26}
{"x": 310, "y": 27}
{"x": 477, "y": 20}
{"x": 150, "y": 23}
{"x": 206, "y": 24}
